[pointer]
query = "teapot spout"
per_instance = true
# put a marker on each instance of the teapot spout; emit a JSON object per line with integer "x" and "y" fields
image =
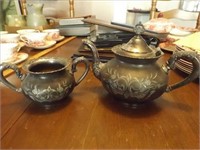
{"x": 97, "y": 65}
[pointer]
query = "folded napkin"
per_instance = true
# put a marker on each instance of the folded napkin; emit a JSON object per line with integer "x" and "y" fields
{"x": 191, "y": 41}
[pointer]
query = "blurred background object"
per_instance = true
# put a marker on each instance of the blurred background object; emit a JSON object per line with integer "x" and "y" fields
{"x": 57, "y": 8}
{"x": 116, "y": 11}
{"x": 190, "y": 5}
{"x": 71, "y": 9}
{"x": 23, "y": 7}
{"x": 7, "y": 7}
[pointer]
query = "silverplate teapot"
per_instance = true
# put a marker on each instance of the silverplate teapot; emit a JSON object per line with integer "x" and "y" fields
{"x": 134, "y": 76}
{"x": 46, "y": 80}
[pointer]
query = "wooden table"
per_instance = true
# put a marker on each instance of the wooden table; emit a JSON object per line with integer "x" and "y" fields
{"x": 91, "y": 118}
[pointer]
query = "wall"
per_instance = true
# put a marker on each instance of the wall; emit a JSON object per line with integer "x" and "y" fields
{"x": 108, "y": 10}
{"x": 103, "y": 9}
{"x": 116, "y": 10}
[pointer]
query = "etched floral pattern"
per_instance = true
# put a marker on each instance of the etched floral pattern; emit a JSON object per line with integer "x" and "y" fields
{"x": 130, "y": 86}
{"x": 50, "y": 93}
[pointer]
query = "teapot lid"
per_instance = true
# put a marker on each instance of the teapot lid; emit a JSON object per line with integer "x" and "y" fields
{"x": 137, "y": 47}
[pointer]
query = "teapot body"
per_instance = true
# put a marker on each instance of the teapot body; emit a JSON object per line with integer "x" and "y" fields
{"x": 132, "y": 83}
{"x": 134, "y": 76}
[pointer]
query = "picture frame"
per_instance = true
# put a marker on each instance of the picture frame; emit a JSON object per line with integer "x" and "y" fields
{"x": 18, "y": 7}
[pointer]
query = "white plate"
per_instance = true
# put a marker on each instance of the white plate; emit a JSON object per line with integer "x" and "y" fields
{"x": 167, "y": 47}
{"x": 183, "y": 69}
{"x": 179, "y": 32}
{"x": 60, "y": 38}
{"x": 17, "y": 58}
{"x": 47, "y": 45}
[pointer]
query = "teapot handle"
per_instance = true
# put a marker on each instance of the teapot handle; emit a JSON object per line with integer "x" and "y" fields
{"x": 51, "y": 20}
{"x": 24, "y": 39}
{"x": 5, "y": 66}
{"x": 188, "y": 55}
{"x": 154, "y": 41}
{"x": 74, "y": 64}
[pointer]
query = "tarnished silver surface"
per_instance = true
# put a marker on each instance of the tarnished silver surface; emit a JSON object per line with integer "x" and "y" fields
{"x": 47, "y": 79}
{"x": 134, "y": 76}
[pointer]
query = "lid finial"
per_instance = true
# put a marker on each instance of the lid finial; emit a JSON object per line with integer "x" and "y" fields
{"x": 139, "y": 28}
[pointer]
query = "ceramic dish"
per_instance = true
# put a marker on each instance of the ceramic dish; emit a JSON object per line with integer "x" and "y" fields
{"x": 179, "y": 32}
{"x": 60, "y": 38}
{"x": 186, "y": 29}
{"x": 185, "y": 48}
{"x": 47, "y": 45}
{"x": 185, "y": 63}
{"x": 160, "y": 36}
{"x": 167, "y": 47}
{"x": 182, "y": 64}
{"x": 183, "y": 69}
{"x": 17, "y": 58}
{"x": 159, "y": 25}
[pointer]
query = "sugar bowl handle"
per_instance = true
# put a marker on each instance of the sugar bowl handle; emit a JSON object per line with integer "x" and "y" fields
{"x": 192, "y": 57}
{"x": 87, "y": 66}
{"x": 6, "y": 66}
